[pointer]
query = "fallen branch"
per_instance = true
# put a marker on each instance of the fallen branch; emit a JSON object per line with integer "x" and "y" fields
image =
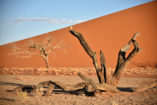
{"x": 145, "y": 87}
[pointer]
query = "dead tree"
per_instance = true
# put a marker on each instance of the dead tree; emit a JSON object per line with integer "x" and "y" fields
{"x": 121, "y": 62}
{"x": 106, "y": 83}
{"x": 42, "y": 49}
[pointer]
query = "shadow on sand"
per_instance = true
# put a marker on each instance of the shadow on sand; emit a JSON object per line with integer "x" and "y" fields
{"x": 7, "y": 99}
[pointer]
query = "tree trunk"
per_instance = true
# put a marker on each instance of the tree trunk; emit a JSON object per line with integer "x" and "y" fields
{"x": 46, "y": 61}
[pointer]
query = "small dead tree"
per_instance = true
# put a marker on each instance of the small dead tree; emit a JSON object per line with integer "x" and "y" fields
{"x": 42, "y": 49}
{"x": 106, "y": 83}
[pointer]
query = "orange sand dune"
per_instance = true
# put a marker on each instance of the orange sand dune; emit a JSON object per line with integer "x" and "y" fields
{"x": 108, "y": 33}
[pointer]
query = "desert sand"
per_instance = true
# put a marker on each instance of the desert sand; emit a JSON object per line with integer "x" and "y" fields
{"x": 107, "y": 33}
{"x": 9, "y": 82}
{"x": 132, "y": 78}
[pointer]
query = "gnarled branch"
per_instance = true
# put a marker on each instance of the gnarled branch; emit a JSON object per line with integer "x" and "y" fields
{"x": 123, "y": 61}
{"x": 90, "y": 52}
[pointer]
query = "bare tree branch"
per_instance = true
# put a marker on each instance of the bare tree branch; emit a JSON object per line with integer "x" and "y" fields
{"x": 146, "y": 86}
{"x": 123, "y": 61}
{"x": 89, "y": 51}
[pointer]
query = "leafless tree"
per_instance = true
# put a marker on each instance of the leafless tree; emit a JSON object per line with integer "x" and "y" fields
{"x": 42, "y": 49}
{"x": 106, "y": 82}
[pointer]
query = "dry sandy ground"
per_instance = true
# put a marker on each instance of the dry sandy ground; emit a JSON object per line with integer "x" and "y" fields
{"x": 9, "y": 82}
{"x": 73, "y": 71}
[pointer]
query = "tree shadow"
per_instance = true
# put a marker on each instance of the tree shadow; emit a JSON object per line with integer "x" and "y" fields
{"x": 126, "y": 89}
{"x": 7, "y": 99}
{"x": 12, "y": 84}
{"x": 25, "y": 88}
{"x": 58, "y": 90}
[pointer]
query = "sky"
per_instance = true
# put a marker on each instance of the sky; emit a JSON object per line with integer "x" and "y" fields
{"x": 21, "y": 19}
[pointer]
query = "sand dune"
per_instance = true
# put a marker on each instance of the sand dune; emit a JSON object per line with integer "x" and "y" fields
{"x": 107, "y": 33}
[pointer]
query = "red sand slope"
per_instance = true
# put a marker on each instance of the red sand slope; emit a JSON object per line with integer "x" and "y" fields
{"x": 108, "y": 33}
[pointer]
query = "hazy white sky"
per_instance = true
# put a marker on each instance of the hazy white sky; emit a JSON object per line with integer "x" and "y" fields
{"x": 22, "y": 19}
